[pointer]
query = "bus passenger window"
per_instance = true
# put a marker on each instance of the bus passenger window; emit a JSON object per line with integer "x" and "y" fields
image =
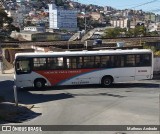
{"x": 79, "y": 62}
{"x": 145, "y": 59}
{"x": 79, "y": 65}
{"x": 51, "y": 63}
{"x": 39, "y": 63}
{"x": 130, "y": 61}
{"x": 97, "y": 65}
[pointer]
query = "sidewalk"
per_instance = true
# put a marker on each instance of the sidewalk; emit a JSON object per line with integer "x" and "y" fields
{"x": 9, "y": 113}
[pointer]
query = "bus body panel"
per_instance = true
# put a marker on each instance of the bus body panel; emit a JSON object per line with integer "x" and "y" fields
{"x": 75, "y": 76}
{"x": 143, "y": 73}
{"x": 123, "y": 74}
{"x": 27, "y": 80}
{"x": 81, "y": 77}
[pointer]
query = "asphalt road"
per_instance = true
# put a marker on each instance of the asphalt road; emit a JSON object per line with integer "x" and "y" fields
{"x": 133, "y": 103}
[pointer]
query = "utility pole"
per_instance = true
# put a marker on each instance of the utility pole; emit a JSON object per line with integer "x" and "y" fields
{"x": 15, "y": 95}
{"x": 85, "y": 21}
{"x": 85, "y": 27}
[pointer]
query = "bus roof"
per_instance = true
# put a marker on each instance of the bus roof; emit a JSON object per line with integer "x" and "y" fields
{"x": 84, "y": 52}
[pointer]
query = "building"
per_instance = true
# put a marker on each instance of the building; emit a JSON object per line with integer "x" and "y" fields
{"x": 39, "y": 36}
{"x": 19, "y": 1}
{"x": 62, "y": 19}
{"x": 150, "y": 17}
{"x": 122, "y": 23}
{"x": 154, "y": 27}
{"x": 35, "y": 29}
{"x": 17, "y": 14}
{"x": 97, "y": 16}
{"x": 108, "y": 9}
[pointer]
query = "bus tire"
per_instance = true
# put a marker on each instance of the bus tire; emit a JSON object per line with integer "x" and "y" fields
{"x": 107, "y": 81}
{"x": 39, "y": 83}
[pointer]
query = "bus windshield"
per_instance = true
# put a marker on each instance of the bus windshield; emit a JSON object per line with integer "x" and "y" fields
{"x": 22, "y": 66}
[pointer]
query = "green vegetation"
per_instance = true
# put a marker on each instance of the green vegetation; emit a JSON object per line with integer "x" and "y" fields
{"x": 59, "y": 2}
{"x": 90, "y": 24}
{"x": 138, "y": 31}
{"x": 157, "y": 53}
{"x": 114, "y": 32}
{"x": 153, "y": 48}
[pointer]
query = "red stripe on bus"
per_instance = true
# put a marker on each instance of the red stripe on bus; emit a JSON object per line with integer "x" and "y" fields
{"x": 56, "y": 76}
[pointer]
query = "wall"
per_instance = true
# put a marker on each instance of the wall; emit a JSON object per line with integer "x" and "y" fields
{"x": 9, "y": 53}
{"x": 156, "y": 65}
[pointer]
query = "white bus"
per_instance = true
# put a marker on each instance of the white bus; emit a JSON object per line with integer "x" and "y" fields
{"x": 82, "y": 67}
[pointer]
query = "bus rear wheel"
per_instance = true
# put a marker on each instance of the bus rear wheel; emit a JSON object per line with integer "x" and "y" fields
{"x": 39, "y": 83}
{"x": 106, "y": 81}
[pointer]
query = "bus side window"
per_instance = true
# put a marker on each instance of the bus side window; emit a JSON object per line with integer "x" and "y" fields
{"x": 109, "y": 64}
{"x": 18, "y": 66}
{"x": 146, "y": 60}
{"x": 143, "y": 60}
{"x": 79, "y": 65}
{"x": 97, "y": 65}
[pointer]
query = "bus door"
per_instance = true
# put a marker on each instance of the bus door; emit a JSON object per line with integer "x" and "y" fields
{"x": 124, "y": 68}
{"x": 143, "y": 66}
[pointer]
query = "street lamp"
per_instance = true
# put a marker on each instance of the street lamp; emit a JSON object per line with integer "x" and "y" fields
{"x": 140, "y": 39}
{"x": 68, "y": 45}
{"x": 85, "y": 21}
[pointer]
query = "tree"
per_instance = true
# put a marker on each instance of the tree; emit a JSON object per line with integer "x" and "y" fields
{"x": 112, "y": 32}
{"x": 80, "y": 23}
{"x": 130, "y": 33}
{"x": 142, "y": 30}
{"x": 59, "y": 2}
{"x": 154, "y": 33}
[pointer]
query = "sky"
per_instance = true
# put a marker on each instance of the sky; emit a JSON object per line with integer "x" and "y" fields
{"x": 145, "y": 5}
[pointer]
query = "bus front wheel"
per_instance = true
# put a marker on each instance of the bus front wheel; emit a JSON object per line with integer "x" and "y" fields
{"x": 39, "y": 83}
{"x": 106, "y": 81}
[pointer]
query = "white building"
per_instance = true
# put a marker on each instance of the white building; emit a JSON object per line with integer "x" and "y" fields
{"x": 154, "y": 27}
{"x": 122, "y": 23}
{"x": 34, "y": 29}
{"x": 108, "y": 9}
{"x": 60, "y": 18}
{"x": 19, "y": 1}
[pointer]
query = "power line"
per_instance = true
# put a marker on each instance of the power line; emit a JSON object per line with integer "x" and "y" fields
{"x": 154, "y": 10}
{"x": 145, "y": 3}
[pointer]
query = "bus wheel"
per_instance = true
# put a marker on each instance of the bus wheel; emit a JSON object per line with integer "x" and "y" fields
{"x": 39, "y": 83}
{"x": 106, "y": 81}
